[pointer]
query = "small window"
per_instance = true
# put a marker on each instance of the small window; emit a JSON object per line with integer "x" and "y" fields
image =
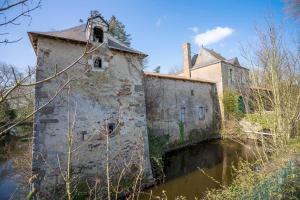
{"x": 231, "y": 76}
{"x": 98, "y": 35}
{"x": 98, "y": 63}
{"x": 201, "y": 112}
{"x": 111, "y": 128}
{"x": 241, "y": 78}
{"x": 192, "y": 92}
{"x": 182, "y": 114}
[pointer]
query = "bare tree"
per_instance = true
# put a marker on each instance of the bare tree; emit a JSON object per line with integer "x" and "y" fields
{"x": 20, "y": 9}
{"x": 292, "y": 7}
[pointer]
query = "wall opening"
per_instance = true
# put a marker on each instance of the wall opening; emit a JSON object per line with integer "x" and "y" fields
{"x": 192, "y": 92}
{"x": 201, "y": 112}
{"x": 182, "y": 114}
{"x": 111, "y": 128}
{"x": 98, "y": 63}
{"x": 97, "y": 35}
{"x": 231, "y": 76}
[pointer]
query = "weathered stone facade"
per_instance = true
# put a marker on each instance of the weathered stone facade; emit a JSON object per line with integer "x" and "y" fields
{"x": 96, "y": 102}
{"x": 226, "y": 74}
{"x": 171, "y": 100}
{"x": 108, "y": 105}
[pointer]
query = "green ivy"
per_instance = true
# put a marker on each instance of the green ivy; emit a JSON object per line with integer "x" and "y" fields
{"x": 181, "y": 131}
{"x": 233, "y": 104}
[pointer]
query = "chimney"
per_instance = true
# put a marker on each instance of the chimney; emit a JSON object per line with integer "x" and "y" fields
{"x": 187, "y": 64}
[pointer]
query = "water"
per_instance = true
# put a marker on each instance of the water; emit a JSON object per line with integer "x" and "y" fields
{"x": 10, "y": 177}
{"x": 183, "y": 177}
{"x": 182, "y": 168}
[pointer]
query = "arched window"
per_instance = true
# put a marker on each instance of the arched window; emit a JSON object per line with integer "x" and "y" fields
{"x": 98, "y": 63}
{"x": 98, "y": 35}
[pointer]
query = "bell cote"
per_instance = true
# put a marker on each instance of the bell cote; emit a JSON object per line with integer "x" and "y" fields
{"x": 96, "y": 29}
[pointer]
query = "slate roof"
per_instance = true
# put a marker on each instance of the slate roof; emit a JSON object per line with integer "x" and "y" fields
{"x": 215, "y": 54}
{"x": 234, "y": 61}
{"x": 194, "y": 58}
{"x": 218, "y": 58}
{"x": 77, "y": 34}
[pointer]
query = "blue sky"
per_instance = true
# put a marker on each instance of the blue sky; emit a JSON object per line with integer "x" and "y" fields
{"x": 157, "y": 27}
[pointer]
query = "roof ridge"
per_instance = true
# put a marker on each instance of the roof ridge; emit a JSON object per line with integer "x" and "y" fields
{"x": 215, "y": 54}
{"x": 63, "y": 30}
{"x": 76, "y": 33}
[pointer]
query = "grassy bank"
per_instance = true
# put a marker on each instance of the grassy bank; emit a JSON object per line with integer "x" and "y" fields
{"x": 276, "y": 178}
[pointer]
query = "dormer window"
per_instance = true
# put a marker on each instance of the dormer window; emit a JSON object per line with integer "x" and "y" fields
{"x": 98, "y": 35}
{"x": 98, "y": 63}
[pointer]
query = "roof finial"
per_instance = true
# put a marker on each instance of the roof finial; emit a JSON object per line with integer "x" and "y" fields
{"x": 94, "y": 13}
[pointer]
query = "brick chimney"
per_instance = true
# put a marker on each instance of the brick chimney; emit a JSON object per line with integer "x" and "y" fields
{"x": 187, "y": 64}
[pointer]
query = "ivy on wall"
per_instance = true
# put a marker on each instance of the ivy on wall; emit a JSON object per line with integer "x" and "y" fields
{"x": 234, "y": 106}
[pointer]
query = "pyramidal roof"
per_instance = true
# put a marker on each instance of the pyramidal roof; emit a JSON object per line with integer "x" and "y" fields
{"x": 77, "y": 34}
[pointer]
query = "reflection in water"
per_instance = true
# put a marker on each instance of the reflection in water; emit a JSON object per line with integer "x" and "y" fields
{"x": 183, "y": 177}
{"x": 9, "y": 176}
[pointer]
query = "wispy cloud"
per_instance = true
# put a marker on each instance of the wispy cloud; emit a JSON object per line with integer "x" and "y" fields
{"x": 213, "y": 36}
{"x": 160, "y": 21}
{"x": 195, "y": 29}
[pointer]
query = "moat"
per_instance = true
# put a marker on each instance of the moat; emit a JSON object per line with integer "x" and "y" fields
{"x": 183, "y": 176}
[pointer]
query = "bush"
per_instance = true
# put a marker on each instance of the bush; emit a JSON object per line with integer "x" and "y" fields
{"x": 156, "y": 146}
{"x": 233, "y": 104}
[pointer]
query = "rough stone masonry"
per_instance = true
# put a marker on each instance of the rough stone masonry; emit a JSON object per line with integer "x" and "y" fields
{"x": 103, "y": 108}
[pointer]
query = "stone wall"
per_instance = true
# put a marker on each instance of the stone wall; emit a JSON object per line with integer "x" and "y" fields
{"x": 240, "y": 77}
{"x": 95, "y": 100}
{"x": 212, "y": 73}
{"x": 166, "y": 98}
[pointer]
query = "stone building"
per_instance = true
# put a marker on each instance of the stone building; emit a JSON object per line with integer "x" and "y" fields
{"x": 105, "y": 96}
{"x": 105, "y": 103}
{"x": 174, "y": 101}
{"x": 211, "y": 66}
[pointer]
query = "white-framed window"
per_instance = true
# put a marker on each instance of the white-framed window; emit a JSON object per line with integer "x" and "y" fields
{"x": 201, "y": 112}
{"x": 182, "y": 114}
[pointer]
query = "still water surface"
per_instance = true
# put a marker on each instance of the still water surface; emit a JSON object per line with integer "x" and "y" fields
{"x": 10, "y": 178}
{"x": 183, "y": 177}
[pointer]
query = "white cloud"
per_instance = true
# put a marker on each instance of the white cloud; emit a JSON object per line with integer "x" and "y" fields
{"x": 195, "y": 29}
{"x": 160, "y": 21}
{"x": 213, "y": 35}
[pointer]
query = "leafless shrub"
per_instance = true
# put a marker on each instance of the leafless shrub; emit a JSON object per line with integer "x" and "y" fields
{"x": 20, "y": 9}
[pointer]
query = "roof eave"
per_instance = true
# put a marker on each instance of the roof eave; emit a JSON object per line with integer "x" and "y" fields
{"x": 35, "y": 35}
{"x": 174, "y": 77}
{"x": 137, "y": 53}
{"x": 235, "y": 65}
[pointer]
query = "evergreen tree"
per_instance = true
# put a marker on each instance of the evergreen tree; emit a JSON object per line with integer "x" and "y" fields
{"x": 157, "y": 69}
{"x": 117, "y": 29}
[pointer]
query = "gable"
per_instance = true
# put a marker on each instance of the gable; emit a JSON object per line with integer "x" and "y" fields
{"x": 206, "y": 57}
